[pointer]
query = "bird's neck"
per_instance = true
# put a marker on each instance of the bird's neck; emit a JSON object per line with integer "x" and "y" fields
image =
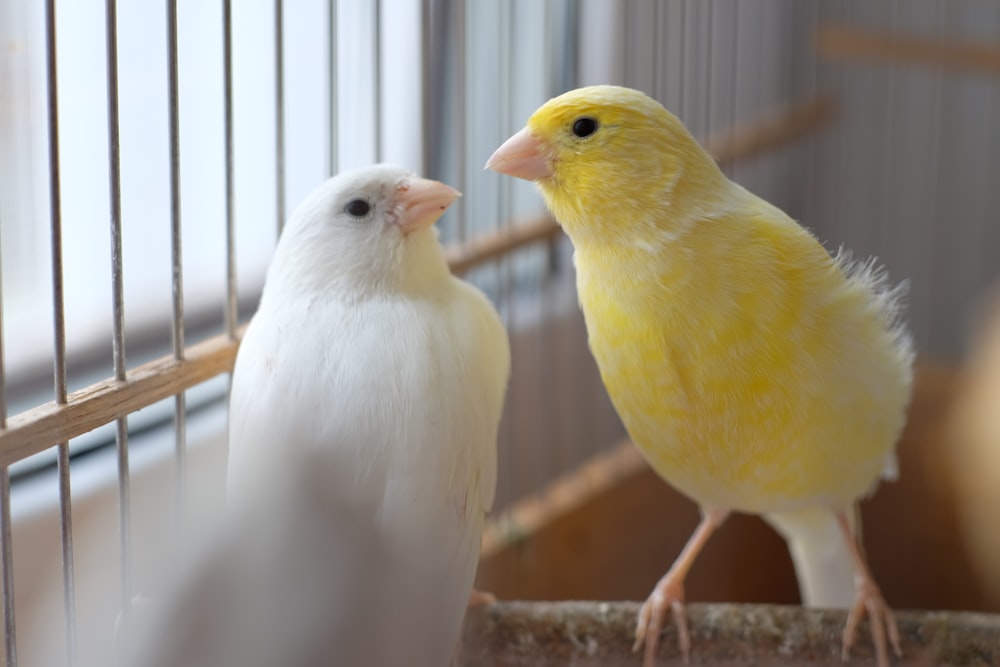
{"x": 415, "y": 266}
{"x": 643, "y": 210}
{"x": 422, "y": 265}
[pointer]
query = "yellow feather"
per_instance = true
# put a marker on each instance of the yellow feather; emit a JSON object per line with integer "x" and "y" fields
{"x": 755, "y": 371}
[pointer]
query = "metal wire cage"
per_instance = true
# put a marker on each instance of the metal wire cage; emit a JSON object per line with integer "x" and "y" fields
{"x": 185, "y": 133}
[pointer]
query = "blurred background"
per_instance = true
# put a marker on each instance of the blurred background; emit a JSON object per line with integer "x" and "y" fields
{"x": 873, "y": 123}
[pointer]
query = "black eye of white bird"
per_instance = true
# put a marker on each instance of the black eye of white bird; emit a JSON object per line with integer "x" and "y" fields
{"x": 357, "y": 208}
{"x": 584, "y": 127}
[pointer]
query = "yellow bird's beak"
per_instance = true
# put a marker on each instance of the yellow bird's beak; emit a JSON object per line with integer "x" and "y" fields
{"x": 422, "y": 201}
{"x": 524, "y": 155}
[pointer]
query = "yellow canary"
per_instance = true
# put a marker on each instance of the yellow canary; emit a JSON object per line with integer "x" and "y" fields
{"x": 756, "y": 372}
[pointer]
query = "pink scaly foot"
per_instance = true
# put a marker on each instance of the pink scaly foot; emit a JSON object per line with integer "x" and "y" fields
{"x": 868, "y": 601}
{"x": 669, "y": 594}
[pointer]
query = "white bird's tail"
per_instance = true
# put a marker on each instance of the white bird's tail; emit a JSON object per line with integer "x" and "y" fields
{"x": 822, "y": 558}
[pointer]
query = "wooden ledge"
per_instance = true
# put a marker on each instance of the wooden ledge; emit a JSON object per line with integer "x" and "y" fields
{"x": 582, "y": 634}
{"x": 865, "y": 44}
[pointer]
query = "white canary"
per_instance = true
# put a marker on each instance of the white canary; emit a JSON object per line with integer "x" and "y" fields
{"x": 366, "y": 349}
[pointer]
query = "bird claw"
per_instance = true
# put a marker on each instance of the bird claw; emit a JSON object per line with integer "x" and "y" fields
{"x": 668, "y": 594}
{"x": 869, "y": 601}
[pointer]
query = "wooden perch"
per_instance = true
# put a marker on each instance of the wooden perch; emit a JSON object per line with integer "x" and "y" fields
{"x": 852, "y": 43}
{"x": 589, "y": 481}
{"x": 583, "y": 634}
{"x": 792, "y": 122}
{"x": 491, "y": 246}
{"x": 38, "y": 429}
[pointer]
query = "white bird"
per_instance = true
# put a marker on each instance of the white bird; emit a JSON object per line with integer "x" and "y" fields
{"x": 367, "y": 350}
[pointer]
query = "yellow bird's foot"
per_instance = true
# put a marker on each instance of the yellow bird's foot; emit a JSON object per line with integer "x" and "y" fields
{"x": 480, "y": 599}
{"x": 668, "y": 595}
{"x": 869, "y": 601}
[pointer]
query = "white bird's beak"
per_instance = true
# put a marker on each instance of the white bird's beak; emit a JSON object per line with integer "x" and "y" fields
{"x": 423, "y": 201}
{"x": 524, "y": 155}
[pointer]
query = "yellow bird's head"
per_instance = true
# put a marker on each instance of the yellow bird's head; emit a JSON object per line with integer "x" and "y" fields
{"x": 608, "y": 160}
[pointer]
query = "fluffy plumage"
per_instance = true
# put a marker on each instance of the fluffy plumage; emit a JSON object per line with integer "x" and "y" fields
{"x": 755, "y": 372}
{"x": 367, "y": 349}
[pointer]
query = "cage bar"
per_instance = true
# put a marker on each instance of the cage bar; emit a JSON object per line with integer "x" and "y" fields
{"x": 377, "y": 76}
{"x": 733, "y": 69}
{"x": 6, "y": 540}
{"x": 176, "y": 256}
{"x": 59, "y": 331}
{"x": 118, "y": 305}
{"x": 227, "y": 97}
{"x": 428, "y": 163}
{"x": 333, "y": 159}
{"x": 279, "y": 112}
{"x": 7, "y": 571}
{"x": 502, "y": 263}
{"x": 461, "y": 119}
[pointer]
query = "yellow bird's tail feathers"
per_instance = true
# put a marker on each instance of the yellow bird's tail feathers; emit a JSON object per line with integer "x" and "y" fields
{"x": 821, "y": 555}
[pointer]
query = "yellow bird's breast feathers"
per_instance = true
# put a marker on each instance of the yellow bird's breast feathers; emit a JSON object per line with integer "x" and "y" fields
{"x": 754, "y": 370}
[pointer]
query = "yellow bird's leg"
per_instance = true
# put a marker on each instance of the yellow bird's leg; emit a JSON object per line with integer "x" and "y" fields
{"x": 669, "y": 593}
{"x": 868, "y": 600}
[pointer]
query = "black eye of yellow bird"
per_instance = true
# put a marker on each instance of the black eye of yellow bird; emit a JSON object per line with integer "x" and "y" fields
{"x": 357, "y": 208}
{"x": 584, "y": 127}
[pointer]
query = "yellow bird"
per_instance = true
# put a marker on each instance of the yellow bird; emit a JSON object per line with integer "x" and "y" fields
{"x": 756, "y": 372}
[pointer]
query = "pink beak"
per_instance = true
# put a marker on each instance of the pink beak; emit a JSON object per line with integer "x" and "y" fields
{"x": 422, "y": 201}
{"x": 524, "y": 155}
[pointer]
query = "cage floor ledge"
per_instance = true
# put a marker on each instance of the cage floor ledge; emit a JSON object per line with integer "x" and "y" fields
{"x": 522, "y": 634}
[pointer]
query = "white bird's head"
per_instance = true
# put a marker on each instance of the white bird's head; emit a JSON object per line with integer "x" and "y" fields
{"x": 364, "y": 230}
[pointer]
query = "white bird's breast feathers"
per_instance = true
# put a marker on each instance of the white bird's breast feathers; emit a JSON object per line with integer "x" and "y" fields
{"x": 405, "y": 393}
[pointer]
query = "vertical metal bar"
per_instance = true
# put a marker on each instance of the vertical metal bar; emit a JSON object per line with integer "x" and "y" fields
{"x": 659, "y": 53}
{"x": 176, "y": 260}
{"x": 279, "y": 111}
{"x": 503, "y": 199}
{"x": 884, "y": 243}
{"x": 709, "y": 67}
{"x": 118, "y": 306}
{"x": 729, "y": 166}
{"x": 333, "y": 159}
{"x": 934, "y": 196}
{"x": 629, "y": 39}
{"x": 7, "y": 569}
{"x": 544, "y": 451}
{"x": 506, "y": 206}
{"x": 227, "y": 101}
{"x": 809, "y": 210}
{"x": 429, "y": 100}
{"x": 6, "y": 540}
{"x": 377, "y": 75}
{"x": 461, "y": 111}
{"x": 682, "y": 65}
{"x": 59, "y": 330}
